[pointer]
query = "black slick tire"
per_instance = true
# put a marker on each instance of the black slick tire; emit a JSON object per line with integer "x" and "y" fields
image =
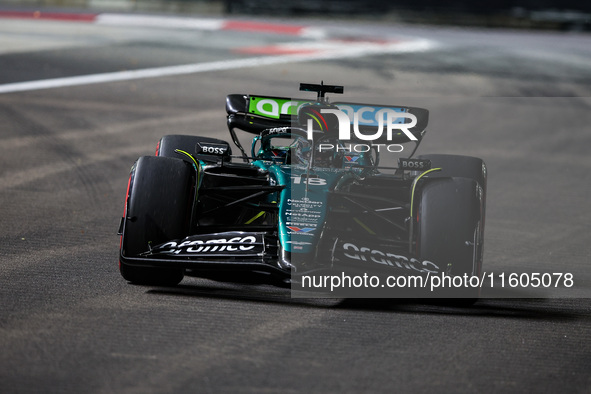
{"x": 158, "y": 210}
{"x": 450, "y": 230}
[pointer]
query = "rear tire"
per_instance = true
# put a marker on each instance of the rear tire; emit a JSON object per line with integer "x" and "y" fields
{"x": 158, "y": 210}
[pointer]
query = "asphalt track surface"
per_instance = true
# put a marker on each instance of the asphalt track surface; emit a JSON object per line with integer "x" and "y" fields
{"x": 70, "y": 323}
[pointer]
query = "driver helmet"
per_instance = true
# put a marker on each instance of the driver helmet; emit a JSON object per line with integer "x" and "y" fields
{"x": 326, "y": 125}
{"x": 326, "y": 129}
{"x": 324, "y": 156}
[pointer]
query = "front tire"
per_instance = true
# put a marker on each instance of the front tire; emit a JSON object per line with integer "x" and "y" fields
{"x": 159, "y": 206}
{"x": 450, "y": 229}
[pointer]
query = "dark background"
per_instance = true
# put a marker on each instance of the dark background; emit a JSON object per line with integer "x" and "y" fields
{"x": 544, "y": 14}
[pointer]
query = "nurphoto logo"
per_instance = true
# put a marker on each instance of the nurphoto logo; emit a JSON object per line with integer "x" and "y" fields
{"x": 393, "y": 120}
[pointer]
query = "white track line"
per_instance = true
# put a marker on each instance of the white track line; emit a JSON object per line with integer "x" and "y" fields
{"x": 159, "y": 21}
{"x": 417, "y": 45}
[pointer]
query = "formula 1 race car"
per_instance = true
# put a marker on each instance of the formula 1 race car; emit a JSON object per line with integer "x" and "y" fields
{"x": 309, "y": 197}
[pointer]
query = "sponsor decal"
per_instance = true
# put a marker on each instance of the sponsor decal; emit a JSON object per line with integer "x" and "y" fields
{"x": 392, "y": 120}
{"x": 354, "y": 252}
{"x": 224, "y": 243}
{"x": 278, "y": 130}
{"x": 371, "y": 115}
{"x": 414, "y": 164}
{"x": 356, "y": 122}
{"x": 303, "y": 216}
{"x": 300, "y": 230}
{"x": 211, "y": 149}
{"x": 304, "y": 205}
{"x": 297, "y": 245}
{"x": 271, "y": 107}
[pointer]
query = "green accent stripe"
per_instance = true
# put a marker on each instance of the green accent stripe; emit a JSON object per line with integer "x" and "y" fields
{"x": 359, "y": 222}
{"x": 189, "y": 155}
{"x": 197, "y": 166}
{"x": 256, "y": 217}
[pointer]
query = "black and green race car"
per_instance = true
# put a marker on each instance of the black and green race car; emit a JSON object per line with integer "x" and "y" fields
{"x": 309, "y": 197}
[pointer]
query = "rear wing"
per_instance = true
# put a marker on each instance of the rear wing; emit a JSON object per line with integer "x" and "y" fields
{"x": 254, "y": 114}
